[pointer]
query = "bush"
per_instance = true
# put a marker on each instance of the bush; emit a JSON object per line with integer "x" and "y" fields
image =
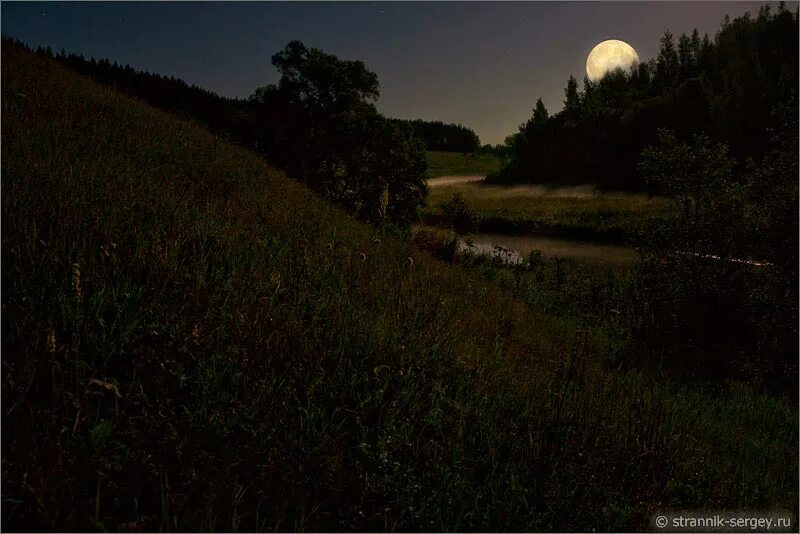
{"x": 460, "y": 218}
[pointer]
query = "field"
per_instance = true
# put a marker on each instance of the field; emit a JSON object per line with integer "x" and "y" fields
{"x": 194, "y": 341}
{"x": 456, "y": 163}
{"x": 573, "y": 212}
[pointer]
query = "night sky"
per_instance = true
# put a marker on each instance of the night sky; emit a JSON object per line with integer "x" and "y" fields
{"x": 480, "y": 64}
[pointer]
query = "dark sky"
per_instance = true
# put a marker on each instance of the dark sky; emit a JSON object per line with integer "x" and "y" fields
{"x": 481, "y": 64}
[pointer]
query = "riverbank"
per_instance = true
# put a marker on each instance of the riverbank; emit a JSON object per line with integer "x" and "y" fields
{"x": 578, "y": 213}
{"x": 517, "y": 249}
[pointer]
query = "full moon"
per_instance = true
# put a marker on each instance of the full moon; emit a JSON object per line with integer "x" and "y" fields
{"x": 610, "y": 55}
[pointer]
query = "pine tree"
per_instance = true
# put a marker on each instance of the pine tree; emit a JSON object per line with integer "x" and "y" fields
{"x": 695, "y": 40}
{"x": 667, "y": 62}
{"x": 540, "y": 114}
{"x": 685, "y": 57}
{"x": 572, "y": 102}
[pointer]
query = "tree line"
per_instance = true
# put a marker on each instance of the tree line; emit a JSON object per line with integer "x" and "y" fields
{"x": 711, "y": 124}
{"x": 318, "y": 123}
{"x": 168, "y": 93}
{"x": 438, "y": 135}
{"x": 728, "y": 87}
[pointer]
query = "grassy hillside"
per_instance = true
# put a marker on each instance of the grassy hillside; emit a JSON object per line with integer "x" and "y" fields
{"x": 569, "y": 212}
{"x": 456, "y": 163}
{"x": 193, "y": 341}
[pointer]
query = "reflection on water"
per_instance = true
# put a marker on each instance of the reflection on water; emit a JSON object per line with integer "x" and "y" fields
{"x": 515, "y": 249}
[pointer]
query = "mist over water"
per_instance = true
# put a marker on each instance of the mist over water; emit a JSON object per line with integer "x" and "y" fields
{"x": 455, "y": 180}
{"x": 477, "y": 185}
{"x": 574, "y": 191}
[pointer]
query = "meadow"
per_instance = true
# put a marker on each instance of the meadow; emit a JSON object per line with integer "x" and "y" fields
{"x": 576, "y": 212}
{"x": 194, "y": 341}
{"x": 456, "y": 163}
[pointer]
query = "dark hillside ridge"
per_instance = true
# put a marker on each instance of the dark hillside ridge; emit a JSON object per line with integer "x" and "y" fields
{"x": 231, "y": 117}
{"x": 221, "y": 115}
{"x": 207, "y": 324}
{"x": 194, "y": 341}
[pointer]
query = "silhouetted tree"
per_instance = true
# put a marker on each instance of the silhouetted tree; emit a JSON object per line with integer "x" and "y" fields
{"x": 686, "y": 57}
{"x": 727, "y": 88}
{"x": 667, "y": 64}
{"x": 320, "y": 123}
{"x": 540, "y": 114}
{"x": 572, "y": 101}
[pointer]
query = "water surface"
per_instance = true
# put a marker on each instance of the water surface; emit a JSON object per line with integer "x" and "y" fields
{"x": 515, "y": 249}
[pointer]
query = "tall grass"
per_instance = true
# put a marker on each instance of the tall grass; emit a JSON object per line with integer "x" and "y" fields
{"x": 193, "y": 341}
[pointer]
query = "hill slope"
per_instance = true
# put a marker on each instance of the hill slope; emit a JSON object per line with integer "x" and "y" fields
{"x": 191, "y": 340}
{"x": 456, "y": 163}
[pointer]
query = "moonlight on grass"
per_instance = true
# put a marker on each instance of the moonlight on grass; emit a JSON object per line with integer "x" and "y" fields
{"x": 608, "y": 56}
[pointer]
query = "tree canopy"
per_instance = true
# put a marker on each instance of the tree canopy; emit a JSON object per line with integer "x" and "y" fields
{"x": 318, "y": 123}
{"x": 321, "y": 125}
{"x": 727, "y": 87}
{"x": 445, "y": 137}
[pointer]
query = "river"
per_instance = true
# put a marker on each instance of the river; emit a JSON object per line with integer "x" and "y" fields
{"x": 515, "y": 249}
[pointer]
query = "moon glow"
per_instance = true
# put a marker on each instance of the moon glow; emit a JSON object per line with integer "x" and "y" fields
{"x": 608, "y": 56}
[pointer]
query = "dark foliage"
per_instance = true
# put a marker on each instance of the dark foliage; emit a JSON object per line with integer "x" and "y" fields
{"x": 728, "y": 88}
{"x": 445, "y": 137}
{"x": 718, "y": 285}
{"x": 460, "y": 218}
{"x": 318, "y": 124}
{"x": 712, "y": 126}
